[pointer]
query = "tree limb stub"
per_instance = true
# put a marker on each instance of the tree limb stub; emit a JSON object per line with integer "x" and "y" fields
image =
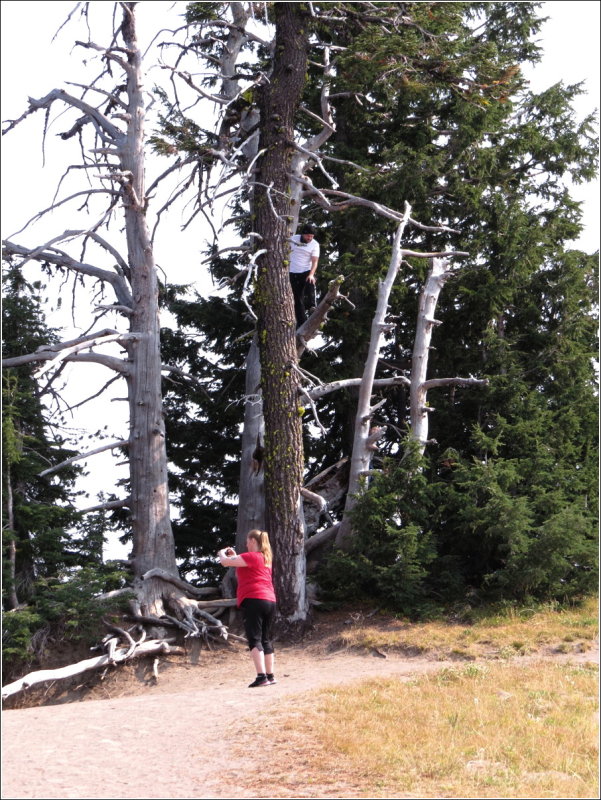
{"x": 314, "y": 498}
{"x": 311, "y": 326}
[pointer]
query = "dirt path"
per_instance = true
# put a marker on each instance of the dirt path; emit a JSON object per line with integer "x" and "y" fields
{"x": 190, "y": 736}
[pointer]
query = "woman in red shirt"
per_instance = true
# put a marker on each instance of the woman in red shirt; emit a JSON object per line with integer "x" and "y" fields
{"x": 256, "y": 599}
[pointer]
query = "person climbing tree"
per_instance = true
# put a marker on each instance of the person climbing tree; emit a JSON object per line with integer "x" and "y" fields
{"x": 304, "y": 256}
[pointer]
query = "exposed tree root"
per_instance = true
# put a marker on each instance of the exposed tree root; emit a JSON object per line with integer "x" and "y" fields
{"x": 119, "y": 645}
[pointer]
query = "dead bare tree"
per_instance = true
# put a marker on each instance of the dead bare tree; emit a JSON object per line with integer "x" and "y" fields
{"x": 117, "y": 124}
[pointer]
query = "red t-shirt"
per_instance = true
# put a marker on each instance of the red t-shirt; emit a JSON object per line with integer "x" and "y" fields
{"x": 254, "y": 580}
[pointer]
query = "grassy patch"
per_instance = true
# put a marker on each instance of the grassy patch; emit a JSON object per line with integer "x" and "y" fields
{"x": 497, "y": 633}
{"x": 480, "y": 730}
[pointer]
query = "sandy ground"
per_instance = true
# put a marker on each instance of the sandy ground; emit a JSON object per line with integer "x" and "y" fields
{"x": 194, "y": 734}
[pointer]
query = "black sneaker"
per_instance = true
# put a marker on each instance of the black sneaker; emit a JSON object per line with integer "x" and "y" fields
{"x": 271, "y": 679}
{"x": 260, "y": 680}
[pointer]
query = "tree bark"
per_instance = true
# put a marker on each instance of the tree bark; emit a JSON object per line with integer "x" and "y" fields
{"x": 426, "y": 323}
{"x": 278, "y": 101}
{"x": 13, "y": 599}
{"x": 251, "y": 510}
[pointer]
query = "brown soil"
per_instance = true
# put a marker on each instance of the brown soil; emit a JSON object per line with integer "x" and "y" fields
{"x": 198, "y": 732}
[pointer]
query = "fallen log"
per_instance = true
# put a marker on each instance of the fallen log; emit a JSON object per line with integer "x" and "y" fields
{"x": 119, "y": 655}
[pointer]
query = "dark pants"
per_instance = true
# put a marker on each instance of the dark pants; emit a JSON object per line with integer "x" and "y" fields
{"x": 304, "y": 295}
{"x": 258, "y": 616}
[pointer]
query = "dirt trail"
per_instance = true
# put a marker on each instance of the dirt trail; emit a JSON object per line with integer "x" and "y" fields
{"x": 190, "y": 736}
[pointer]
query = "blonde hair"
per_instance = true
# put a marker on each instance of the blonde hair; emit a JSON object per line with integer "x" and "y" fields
{"x": 262, "y": 539}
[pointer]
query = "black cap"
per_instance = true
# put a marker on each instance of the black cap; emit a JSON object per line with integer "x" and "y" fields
{"x": 308, "y": 229}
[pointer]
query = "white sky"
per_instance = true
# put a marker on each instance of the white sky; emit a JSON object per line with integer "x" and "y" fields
{"x": 32, "y": 65}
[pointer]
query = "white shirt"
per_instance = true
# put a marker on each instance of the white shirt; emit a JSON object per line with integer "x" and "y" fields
{"x": 301, "y": 253}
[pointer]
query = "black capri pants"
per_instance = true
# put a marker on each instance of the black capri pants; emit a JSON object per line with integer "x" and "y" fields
{"x": 258, "y": 617}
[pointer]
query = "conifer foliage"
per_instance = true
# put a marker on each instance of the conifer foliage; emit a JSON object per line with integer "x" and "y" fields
{"x": 434, "y": 109}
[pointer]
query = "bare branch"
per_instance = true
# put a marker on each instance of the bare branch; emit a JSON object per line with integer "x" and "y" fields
{"x": 152, "y": 646}
{"x": 87, "y": 193}
{"x": 334, "y": 386}
{"x": 435, "y": 383}
{"x": 63, "y": 260}
{"x": 320, "y": 538}
{"x": 320, "y": 196}
{"x": 108, "y": 506}
{"x": 323, "y": 157}
{"x": 110, "y": 52}
{"x": 111, "y": 96}
{"x": 433, "y": 228}
{"x": 113, "y": 133}
{"x": 313, "y": 325}
{"x": 64, "y": 353}
{"x": 444, "y": 254}
{"x": 112, "y": 594}
{"x": 329, "y": 125}
{"x": 115, "y": 364}
{"x": 111, "y": 446}
{"x": 48, "y": 355}
{"x": 187, "y": 79}
{"x": 195, "y": 591}
{"x": 312, "y": 404}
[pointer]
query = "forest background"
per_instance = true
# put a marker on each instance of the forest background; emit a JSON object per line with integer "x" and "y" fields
{"x": 454, "y": 451}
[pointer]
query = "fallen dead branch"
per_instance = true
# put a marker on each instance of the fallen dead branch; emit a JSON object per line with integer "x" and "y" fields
{"x": 119, "y": 655}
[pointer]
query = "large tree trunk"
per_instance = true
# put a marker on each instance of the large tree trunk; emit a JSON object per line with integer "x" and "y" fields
{"x": 279, "y": 100}
{"x": 152, "y": 533}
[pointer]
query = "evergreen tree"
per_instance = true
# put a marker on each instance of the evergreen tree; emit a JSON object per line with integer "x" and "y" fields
{"x": 52, "y": 558}
{"x": 37, "y": 511}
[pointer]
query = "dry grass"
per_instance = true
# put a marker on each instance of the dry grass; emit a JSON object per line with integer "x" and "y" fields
{"x": 491, "y": 730}
{"x": 512, "y": 632}
{"x": 496, "y": 728}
